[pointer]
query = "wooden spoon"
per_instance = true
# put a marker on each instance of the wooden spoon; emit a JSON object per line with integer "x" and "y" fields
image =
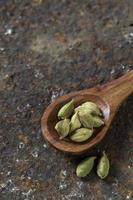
{"x": 108, "y": 97}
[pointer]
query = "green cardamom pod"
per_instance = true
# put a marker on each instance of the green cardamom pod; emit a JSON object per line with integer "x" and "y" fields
{"x": 93, "y": 107}
{"x": 67, "y": 110}
{"x": 82, "y": 109}
{"x": 75, "y": 123}
{"x": 97, "y": 121}
{"x": 103, "y": 166}
{"x": 81, "y": 135}
{"x": 89, "y": 107}
{"x": 86, "y": 119}
{"x": 63, "y": 127}
{"x": 85, "y": 166}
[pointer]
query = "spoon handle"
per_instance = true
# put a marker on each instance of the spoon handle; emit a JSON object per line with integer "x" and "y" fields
{"x": 116, "y": 91}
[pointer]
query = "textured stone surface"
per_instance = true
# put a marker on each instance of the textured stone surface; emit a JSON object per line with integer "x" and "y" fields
{"x": 49, "y": 48}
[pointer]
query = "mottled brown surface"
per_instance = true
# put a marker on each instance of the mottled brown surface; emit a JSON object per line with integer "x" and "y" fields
{"x": 48, "y": 48}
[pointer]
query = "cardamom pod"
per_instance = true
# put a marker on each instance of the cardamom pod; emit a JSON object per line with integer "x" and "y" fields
{"x": 81, "y": 135}
{"x": 82, "y": 109}
{"x": 67, "y": 110}
{"x": 85, "y": 166}
{"x": 93, "y": 107}
{"x": 75, "y": 123}
{"x": 90, "y": 107}
{"x": 97, "y": 122}
{"x": 63, "y": 127}
{"x": 86, "y": 119}
{"x": 103, "y": 166}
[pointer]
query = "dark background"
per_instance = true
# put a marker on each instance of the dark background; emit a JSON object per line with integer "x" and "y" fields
{"x": 47, "y": 49}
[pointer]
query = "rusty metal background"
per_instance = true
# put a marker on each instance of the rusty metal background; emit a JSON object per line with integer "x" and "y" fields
{"x": 49, "y": 48}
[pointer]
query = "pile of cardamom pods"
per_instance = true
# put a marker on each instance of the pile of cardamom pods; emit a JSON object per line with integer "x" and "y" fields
{"x": 78, "y": 123}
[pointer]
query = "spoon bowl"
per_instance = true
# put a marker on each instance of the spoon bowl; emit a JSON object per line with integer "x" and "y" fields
{"x": 108, "y": 97}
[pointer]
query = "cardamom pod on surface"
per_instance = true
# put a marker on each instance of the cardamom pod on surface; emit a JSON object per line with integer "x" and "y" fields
{"x": 85, "y": 167}
{"x": 103, "y": 166}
